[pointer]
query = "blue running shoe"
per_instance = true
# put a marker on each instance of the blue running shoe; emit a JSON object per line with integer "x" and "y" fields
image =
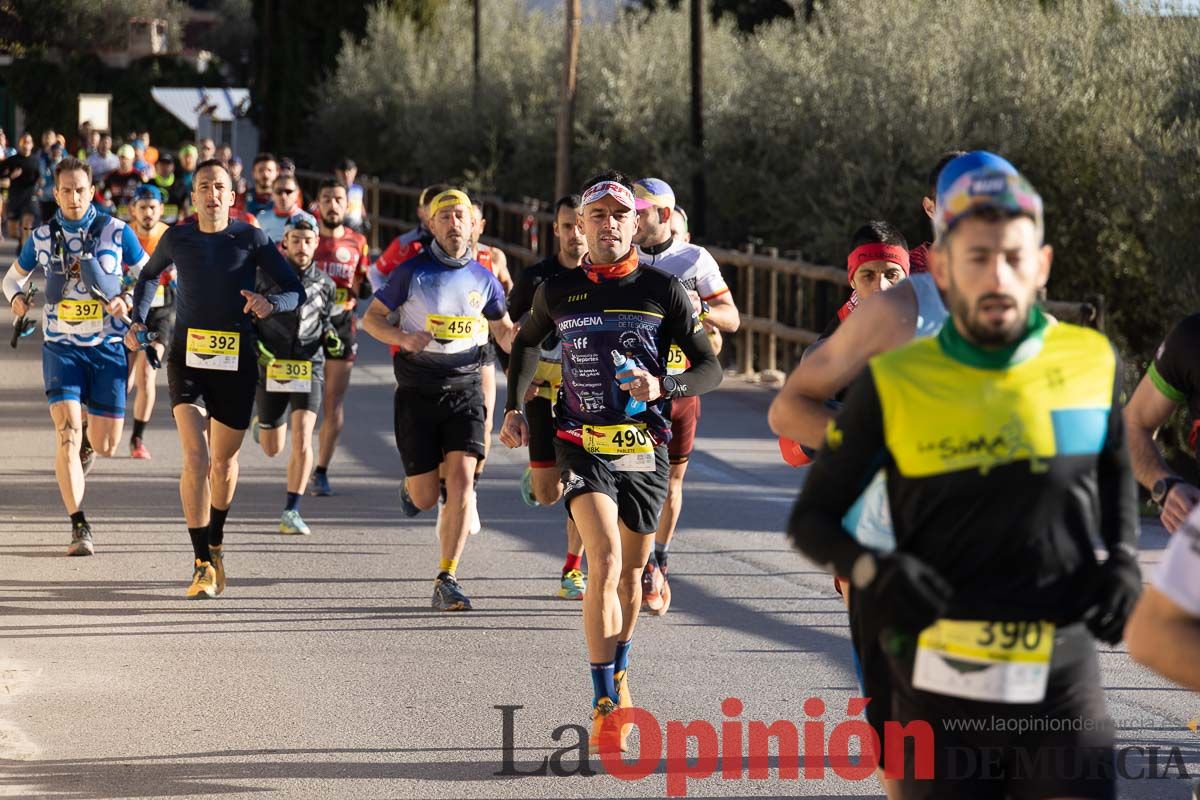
{"x": 406, "y": 503}
{"x": 319, "y": 485}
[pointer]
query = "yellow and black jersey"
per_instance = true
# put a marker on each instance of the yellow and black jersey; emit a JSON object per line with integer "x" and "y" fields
{"x": 1002, "y": 467}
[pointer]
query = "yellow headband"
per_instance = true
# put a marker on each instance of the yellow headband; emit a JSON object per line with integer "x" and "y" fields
{"x": 448, "y": 199}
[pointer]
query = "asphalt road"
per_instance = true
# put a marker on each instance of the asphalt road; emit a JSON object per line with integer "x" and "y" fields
{"x": 323, "y": 673}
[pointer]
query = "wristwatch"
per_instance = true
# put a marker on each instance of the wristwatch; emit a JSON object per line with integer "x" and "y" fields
{"x": 670, "y": 386}
{"x": 704, "y": 310}
{"x": 1162, "y": 487}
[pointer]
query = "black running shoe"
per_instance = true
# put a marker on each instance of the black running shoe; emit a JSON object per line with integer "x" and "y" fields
{"x": 87, "y": 457}
{"x": 81, "y": 540}
{"x": 448, "y": 595}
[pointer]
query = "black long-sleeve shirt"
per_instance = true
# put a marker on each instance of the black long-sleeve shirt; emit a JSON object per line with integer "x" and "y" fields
{"x": 213, "y": 269}
{"x": 999, "y": 472}
{"x": 639, "y": 315}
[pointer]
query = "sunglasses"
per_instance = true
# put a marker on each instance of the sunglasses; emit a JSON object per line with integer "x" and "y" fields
{"x": 285, "y": 191}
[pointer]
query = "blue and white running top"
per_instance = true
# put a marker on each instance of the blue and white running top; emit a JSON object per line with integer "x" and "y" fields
{"x": 452, "y": 303}
{"x": 76, "y": 318}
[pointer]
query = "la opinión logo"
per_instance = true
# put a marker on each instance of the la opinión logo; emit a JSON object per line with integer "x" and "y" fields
{"x": 740, "y": 750}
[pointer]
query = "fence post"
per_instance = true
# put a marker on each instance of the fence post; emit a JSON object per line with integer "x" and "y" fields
{"x": 373, "y": 213}
{"x": 746, "y": 351}
{"x": 773, "y": 313}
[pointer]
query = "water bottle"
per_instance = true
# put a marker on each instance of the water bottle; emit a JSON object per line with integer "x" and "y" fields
{"x": 633, "y": 406}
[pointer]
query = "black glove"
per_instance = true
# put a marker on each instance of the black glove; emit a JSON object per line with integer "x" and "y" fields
{"x": 1112, "y": 595}
{"x": 908, "y": 594}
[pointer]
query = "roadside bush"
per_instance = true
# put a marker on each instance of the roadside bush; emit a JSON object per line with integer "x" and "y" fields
{"x": 813, "y": 128}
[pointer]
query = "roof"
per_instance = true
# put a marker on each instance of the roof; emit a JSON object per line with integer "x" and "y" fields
{"x": 186, "y": 103}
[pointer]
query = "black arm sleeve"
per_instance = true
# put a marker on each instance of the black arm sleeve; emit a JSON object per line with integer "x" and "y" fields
{"x": 853, "y": 451}
{"x": 1115, "y": 481}
{"x": 523, "y": 360}
{"x": 147, "y": 284}
{"x": 684, "y": 328}
{"x": 272, "y": 262}
{"x": 520, "y": 299}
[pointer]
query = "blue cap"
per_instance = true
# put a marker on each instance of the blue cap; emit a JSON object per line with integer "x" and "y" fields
{"x": 980, "y": 181}
{"x": 147, "y": 192}
{"x": 968, "y": 162}
{"x": 650, "y": 192}
{"x": 301, "y": 221}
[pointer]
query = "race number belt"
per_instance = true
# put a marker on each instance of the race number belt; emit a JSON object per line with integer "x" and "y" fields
{"x": 289, "y": 376}
{"x": 213, "y": 349}
{"x": 80, "y": 316}
{"x": 632, "y": 446}
{"x": 449, "y": 328}
{"x": 999, "y": 662}
{"x": 677, "y": 362}
{"x": 160, "y": 297}
{"x": 341, "y": 300}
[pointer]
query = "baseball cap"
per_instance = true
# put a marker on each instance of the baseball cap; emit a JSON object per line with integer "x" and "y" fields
{"x": 983, "y": 181}
{"x": 126, "y": 151}
{"x": 188, "y": 148}
{"x": 653, "y": 192}
{"x": 617, "y": 191}
{"x": 147, "y": 192}
{"x": 448, "y": 199}
{"x": 301, "y": 221}
{"x": 166, "y": 158}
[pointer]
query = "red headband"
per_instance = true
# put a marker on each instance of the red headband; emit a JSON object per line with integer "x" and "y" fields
{"x": 876, "y": 252}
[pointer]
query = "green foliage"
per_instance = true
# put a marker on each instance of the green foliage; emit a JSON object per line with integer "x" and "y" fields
{"x": 812, "y": 129}
{"x": 747, "y": 14}
{"x": 47, "y": 92}
{"x": 27, "y": 25}
{"x": 295, "y": 48}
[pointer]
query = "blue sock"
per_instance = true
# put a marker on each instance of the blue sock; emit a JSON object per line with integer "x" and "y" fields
{"x": 602, "y": 683}
{"x": 293, "y": 502}
{"x": 621, "y": 659}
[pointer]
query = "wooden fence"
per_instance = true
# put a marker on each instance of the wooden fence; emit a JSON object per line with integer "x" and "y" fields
{"x": 784, "y": 302}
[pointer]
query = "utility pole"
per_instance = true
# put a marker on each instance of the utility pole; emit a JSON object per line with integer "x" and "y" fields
{"x": 699, "y": 200}
{"x": 478, "y": 25}
{"x": 566, "y": 108}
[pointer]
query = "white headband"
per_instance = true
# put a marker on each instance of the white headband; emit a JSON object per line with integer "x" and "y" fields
{"x": 611, "y": 188}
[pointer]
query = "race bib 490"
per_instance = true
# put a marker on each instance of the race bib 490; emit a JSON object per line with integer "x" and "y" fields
{"x": 999, "y": 662}
{"x": 213, "y": 349}
{"x": 632, "y": 446}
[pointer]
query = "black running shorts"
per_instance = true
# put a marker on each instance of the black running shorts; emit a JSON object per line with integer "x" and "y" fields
{"x": 1060, "y": 747}
{"x": 432, "y": 422}
{"x": 227, "y": 396}
{"x": 273, "y": 406}
{"x": 639, "y": 495}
